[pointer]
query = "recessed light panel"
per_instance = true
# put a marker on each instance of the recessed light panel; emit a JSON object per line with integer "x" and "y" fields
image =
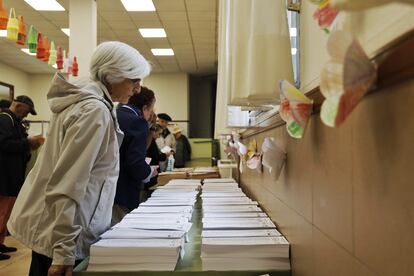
{"x": 45, "y": 5}
{"x": 138, "y": 5}
{"x": 162, "y": 52}
{"x": 152, "y": 32}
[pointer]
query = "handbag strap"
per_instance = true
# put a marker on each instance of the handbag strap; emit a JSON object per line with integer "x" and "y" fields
{"x": 12, "y": 13}
{"x": 11, "y": 118}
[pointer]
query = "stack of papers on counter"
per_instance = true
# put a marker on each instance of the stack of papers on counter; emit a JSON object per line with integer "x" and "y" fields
{"x": 239, "y": 253}
{"x": 135, "y": 254}
{"x": 219, "y": 180}
{"x": 152, "y": 236}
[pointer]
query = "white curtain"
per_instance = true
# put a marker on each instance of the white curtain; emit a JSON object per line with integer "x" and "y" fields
{"x": 223, "y": 85}
{"x": 260, "y": 53}
{"x": 253, "y": 54}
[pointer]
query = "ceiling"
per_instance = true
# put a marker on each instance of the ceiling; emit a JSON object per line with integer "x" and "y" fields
{"x": 191, "y": 27}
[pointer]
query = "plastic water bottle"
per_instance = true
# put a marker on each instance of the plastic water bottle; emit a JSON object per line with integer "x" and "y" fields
{"x": 170, "y": 163}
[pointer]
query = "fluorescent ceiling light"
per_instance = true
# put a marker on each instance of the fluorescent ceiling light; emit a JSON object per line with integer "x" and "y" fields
{"x": 28, "y": 52}
{"x": 152, "y": 32}
{"x": 138, "y": 5}
{"x": 66, "y": 31}
{"x": 3, "y": 33}
{"x": 45, "y": 5}
{"x": 162, "y": 52}
{"x": 293, "y": 32}
{"x": 294, "y": 51}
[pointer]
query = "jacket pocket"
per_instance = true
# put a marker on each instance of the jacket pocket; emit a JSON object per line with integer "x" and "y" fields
{"x": 101, "y": 216}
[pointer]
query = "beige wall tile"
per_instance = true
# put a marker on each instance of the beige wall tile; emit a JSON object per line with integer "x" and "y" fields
{"x": 331, "y": 258}
{"x": 383, "y": 188}
{"x": 332, "y": 186}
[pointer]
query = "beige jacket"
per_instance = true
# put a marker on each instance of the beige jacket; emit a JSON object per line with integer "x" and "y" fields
{"x": 66, "y": 200}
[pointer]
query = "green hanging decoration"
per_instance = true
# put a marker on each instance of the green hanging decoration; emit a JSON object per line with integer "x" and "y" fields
{"x": 32, "y": 41}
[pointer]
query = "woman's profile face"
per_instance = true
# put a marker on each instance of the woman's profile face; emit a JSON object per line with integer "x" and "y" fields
{"x": 147, "y": 111}
{"x": 122, "y": 91}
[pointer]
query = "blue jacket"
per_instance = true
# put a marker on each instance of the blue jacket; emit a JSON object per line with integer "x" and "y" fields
{"x": 133, "y": 168}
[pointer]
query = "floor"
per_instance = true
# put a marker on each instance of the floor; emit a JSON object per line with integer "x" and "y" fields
{"x": 18, "y": 264}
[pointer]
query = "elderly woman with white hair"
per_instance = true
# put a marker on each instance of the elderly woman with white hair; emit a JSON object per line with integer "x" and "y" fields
{"x": 66, "y": 200}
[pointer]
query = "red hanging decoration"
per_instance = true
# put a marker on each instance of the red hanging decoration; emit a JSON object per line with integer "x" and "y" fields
{"x": 59, "y": 59}
{"x": 75, "y": 67}
{"x": 3, "y": 17}
{"x": 47, "y": 48}
{"x": 21, "y": 36}
{"x": 40, "y": 53}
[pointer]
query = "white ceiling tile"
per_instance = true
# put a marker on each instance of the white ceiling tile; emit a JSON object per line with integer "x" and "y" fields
{"x": 169, "y": 24}
{"x": 121, "y": 25}
{"x": 143, "y": 16}
{"x": 169, "y": 5}
{"x": 55, "y": 15}
{"x": 179, "y": 39}
{"x": 114, "y": 15}
{"x": 158, "y": 43}
{"x": 172, "y": 16}
{"x": 201, "y": 5}
{"x": 202, "y": 16}
{"x": 110, "y": 5}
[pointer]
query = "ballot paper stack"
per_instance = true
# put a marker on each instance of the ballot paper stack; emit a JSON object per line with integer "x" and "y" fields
{"x": 152, "y": 236}
{"x": 237, "y": 234}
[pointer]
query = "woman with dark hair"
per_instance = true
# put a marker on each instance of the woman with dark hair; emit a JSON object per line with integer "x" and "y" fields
{"x": 134, "y": 171}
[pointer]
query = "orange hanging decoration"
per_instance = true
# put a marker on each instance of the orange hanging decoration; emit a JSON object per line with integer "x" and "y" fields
{"x": 40, "y": 53}
{"x": 3, "y": 17}
{"x": 59, "y": 59}
{"x": 47, "y": 48}
{"x": 21, "y": 36}
{"x": 75, "y": 67}
{"x": 12, "y": 26}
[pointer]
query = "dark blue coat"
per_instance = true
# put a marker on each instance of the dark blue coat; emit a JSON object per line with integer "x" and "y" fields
{"x": 14, "y": 153}
{"x": 133, "y": 168}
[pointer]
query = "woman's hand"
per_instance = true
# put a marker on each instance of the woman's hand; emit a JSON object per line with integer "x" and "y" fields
{"x": 60, "y": 270}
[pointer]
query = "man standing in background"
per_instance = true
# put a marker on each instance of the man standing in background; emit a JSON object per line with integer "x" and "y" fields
{"x": 15, "y": 149}
{"x": 166, "y": 138}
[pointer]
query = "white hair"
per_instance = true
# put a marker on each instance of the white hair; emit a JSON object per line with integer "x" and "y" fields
{"x": 114, "y": 61}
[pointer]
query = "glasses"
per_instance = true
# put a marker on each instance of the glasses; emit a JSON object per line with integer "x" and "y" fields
{"x": 135, "y": 82}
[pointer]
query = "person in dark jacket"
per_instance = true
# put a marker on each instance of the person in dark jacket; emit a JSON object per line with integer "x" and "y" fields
{"x": 15, "y": 146}
{"x": 134, "y": 171}
{"x": 183, "y": 148}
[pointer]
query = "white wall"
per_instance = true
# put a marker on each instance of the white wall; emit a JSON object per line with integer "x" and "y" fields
{"x": 19, "y": 79}
{"x": 171, "y": 92}
{"x": 39, "y": 87}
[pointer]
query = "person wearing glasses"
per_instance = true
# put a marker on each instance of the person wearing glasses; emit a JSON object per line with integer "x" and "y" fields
{"x": 66, "y": 201}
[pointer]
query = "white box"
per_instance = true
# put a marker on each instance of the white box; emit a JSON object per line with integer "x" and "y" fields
{"x": 226, "y": 167}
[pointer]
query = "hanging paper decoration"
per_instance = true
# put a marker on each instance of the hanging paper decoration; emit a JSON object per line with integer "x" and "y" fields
{"x": 67, "y": 63}
{"x": 356, "y": 5}
{"x": 295, "y": 109}
{"x": 32, "y": 40}
{"x": 52, "y": 55}
{"x": 40, "y": 51}
{"x": 59, "y": 58}
{"x": 47, "y": 48}
{"x": 325, "y": 15}
{"x": 21, "y": 36}
{"x": 3, "y": 17}
{"x": 273, "y": 157}
{"x": 242, "y": 151}
{"x": 75, "y": 67}
{"x": 253, "y": 157}
{"x": 345, "y": 79}
{"x": 12, "y": 26}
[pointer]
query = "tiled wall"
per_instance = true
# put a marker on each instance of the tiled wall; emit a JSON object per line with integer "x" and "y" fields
{"x": 345, "y": 199}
